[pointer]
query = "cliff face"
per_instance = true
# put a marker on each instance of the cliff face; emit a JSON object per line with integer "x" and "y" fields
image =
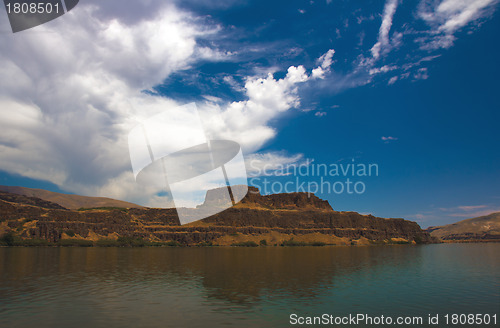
{"x": 292, "y": 201}
{"x": 273, "y": 218}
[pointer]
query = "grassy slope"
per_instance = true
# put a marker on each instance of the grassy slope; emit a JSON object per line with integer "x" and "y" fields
{"x": 489, "y": 224}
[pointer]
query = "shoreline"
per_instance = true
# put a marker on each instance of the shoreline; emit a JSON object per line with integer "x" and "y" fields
{"x": 88, "y": 243}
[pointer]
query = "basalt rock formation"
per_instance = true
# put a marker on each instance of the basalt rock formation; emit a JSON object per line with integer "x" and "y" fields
{"x": 299, "y": 218}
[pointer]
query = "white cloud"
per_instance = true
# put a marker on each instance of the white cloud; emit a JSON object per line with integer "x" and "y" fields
{"x": 475, "y": 214}
{"x": 389, "y": 139}
{"x": 233, "y": 83}
{"x": 383, "y": 69}
{"x": 73, "y": 111}
{"x": 469, "y": 211}
{"x": 247, "y": 121}
{"x": 318, "y": 73}
{"x": 421, "y": 74}
{"x": 472, "y": 207}
{"x": 70, "y": 90}
{"x": 442, "y": 18}
{"x": 448, "y": 16}
{"x": 65, "y": 119}
{"x": 383, "y": 43}
{"x": 392, "y": 80}
{"x": 325, "y": 62}
{"x": 212, "y": 98}
{"x": 213, "y": 54}
{"x": 320, "y": 114}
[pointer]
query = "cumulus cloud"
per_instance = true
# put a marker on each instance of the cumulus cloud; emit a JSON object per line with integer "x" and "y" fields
{"x": 65, "y": 117}
{"x": 70, "y": 90}
{"x": 325, "y": 62}
{"x": 247, "y": 121}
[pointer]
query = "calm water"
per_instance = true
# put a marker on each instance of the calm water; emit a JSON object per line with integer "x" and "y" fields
{"x": 241, "y": 287}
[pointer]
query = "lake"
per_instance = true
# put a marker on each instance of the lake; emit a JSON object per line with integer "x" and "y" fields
{"x": 244, "y": 287}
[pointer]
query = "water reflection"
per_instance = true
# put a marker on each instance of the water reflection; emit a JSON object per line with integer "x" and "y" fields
{"x": 193, "y": 286}
{"x": 235, "y": 274}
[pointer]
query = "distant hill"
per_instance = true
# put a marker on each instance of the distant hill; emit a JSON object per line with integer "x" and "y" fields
{"x": 483, "y": 228}
{"x": 33, "y": 201}
{"x": 68, "y": 201}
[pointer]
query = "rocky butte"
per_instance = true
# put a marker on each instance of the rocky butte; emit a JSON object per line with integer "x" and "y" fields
{"x": 278, "y": 219}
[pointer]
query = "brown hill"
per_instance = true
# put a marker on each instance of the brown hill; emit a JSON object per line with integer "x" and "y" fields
{"x": 273, "y": 220}
{"x": 68, "y": 201}
{"x": 483, "y": 228}
{"x": 20, "y": 199}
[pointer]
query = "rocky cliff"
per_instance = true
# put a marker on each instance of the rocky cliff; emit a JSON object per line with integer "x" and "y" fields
{"x": 276, "y": 219}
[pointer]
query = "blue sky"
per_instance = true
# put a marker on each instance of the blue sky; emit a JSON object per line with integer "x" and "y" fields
{"x": 410, "y": 86}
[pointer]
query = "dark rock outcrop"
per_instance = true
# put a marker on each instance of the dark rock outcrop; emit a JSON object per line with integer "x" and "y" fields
{"x": 296, "y": 200}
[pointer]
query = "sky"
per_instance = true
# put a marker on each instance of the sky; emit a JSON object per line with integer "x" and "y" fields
{"x": 408, "y": 86}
